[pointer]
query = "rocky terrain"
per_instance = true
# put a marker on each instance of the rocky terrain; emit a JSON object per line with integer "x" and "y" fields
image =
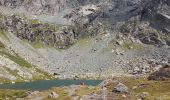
{"x": 114, "y": 40}
{"x": 86, "y": 38}
{"x": 14, "y": 68}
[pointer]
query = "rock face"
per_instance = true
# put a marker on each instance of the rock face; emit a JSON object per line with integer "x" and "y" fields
{"x": 39, "y": 6}
{"x": 162, "y": 74}
{"x": 37, "y": 32}
{"x": 86, "y": 16}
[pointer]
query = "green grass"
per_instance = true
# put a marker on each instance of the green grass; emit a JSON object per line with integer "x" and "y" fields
{"x": 86, "y": 90}
{"x": 127, "y": 45}
{"x": 20, "y": 61}
{"x": 4, "y": 80}
{"x": 63, "y": 95}
{"x": 44, "y": 75}
{"x": 12, "y": 94}
{"x": 34, "y": 21}
{"x": 3, "y": 34}
{"x": 1, "y": 16}
{"x": 2, "y": 45}
{"x": 154, "y": 88}
{"x": 17, "y": 59}
{"x": 132, "y": 45}
{"x": 14, "y": 73}
{"x": 84, "y": 42}
{"x": 38, "y": 75}
{"x": 37, "y": 45}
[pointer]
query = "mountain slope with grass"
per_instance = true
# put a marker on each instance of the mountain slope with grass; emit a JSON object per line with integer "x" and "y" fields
{"x": 86, "y": 38}
{"x": 15, "y": 68}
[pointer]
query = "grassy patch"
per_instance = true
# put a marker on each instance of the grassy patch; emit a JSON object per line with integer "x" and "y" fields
{"x": 86, "y": 90}
{"x": 14, "y": 73}
{"x": 35, "y": 21}
{"x": 17, "y": 59}
{"x": 38, "y": 75}
{"x": 4, "y": 80}
{"x": 154, "y": 88}
{"x": 131, "y": 45}
{"x": 3, "y": 34}
{"x": 63, "y": 95}
{"x": 37, "y": 45}
{"x": 43, "y": 75}
{"x": 12, "y": 94}
{"x": 2, "y": 45}
{"x": 84, "y": 42}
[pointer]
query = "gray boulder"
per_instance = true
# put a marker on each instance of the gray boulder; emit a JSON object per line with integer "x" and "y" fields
{"x": 121, "y": 88}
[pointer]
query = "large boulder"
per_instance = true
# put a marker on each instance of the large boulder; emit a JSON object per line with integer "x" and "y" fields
{"x": 162, "y": 74}
{"x": 121, "y": 88}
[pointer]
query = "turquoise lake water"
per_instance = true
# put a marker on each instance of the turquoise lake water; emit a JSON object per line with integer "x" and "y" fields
{"x": 46, "y": 84}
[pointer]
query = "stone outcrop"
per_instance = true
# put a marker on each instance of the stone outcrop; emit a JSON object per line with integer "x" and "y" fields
{"x": 36, "y": 6}
{"x": 36, "y": 32}
{"x": 89, "y": 16}
{"x": 121, "y": 88}
{"x": 162, "y": 74}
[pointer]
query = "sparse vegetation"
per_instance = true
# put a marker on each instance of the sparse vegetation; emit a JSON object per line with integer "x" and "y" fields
{"x": 86, "y": 90}
{"x": 132, "y": 45}
{"x": 12, "y": 94}
{"x": 43, "y": 75}
{"x": 4, "y": 80}
{"x": 34, "y": 21}
{"x": 3, "y": 34}
{"x": 38, "y": 75}
{"x": 159, "y": 89}
{"x": 14, "y": 73}
{"x": 63, "y": 94}
{"x": 2, "y": 45}
{"x": 17, "y": 59}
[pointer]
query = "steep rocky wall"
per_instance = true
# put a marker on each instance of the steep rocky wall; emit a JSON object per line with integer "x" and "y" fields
{"x": 38, "y": 6}
{"x": 38, "y": 32}
{"x": 87, "y": 17}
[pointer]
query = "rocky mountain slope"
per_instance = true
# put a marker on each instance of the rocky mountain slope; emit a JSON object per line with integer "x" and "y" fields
{"x": 14, "y": 68}
{"x": 88, "y": 38}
